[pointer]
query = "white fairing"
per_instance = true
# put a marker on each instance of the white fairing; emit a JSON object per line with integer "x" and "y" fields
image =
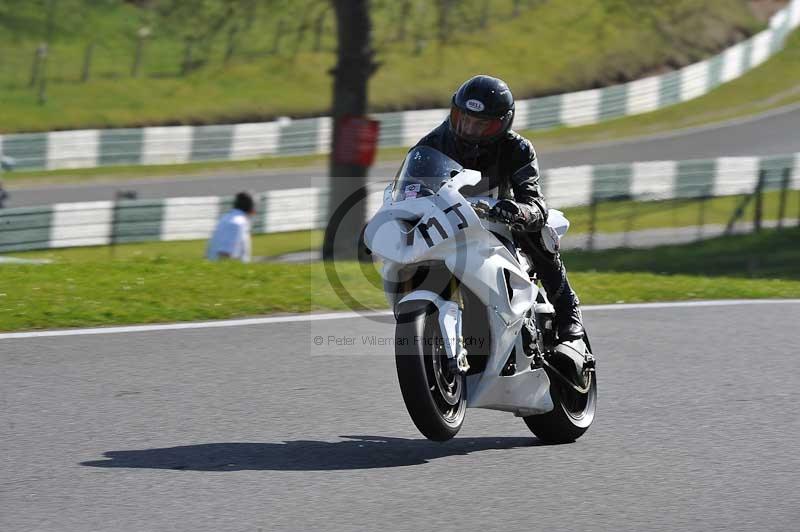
{"x": 444, "y": 227}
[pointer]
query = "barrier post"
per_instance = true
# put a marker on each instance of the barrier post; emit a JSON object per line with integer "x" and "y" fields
{"x": 701, "y": 215}
{"x": 119, "y": 196}
{"x": 757, "y": 215}
{"x": 592, "y": 223}
{"x": 787, "y": 173}
{"x": 630, "y": 223}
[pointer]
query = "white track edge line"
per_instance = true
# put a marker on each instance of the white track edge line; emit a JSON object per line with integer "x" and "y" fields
{"x": 297, "y": 318}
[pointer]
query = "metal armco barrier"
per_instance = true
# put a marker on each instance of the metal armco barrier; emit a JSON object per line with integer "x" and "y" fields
{"x": 107, "y": 222}
{"x": 171, "y": 145}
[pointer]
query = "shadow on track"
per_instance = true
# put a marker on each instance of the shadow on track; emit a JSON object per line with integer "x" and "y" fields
{"x": 356, "y": 452}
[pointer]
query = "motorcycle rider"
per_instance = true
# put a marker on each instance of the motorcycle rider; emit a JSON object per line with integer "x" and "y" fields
{"x": 478, "y": 135}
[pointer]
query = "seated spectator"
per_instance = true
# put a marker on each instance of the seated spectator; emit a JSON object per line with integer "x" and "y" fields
{"x": 231, "y": 238}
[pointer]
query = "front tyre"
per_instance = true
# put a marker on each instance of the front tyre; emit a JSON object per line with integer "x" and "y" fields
{"x": 435, "y": 397}
{"x": 571, "y": 416}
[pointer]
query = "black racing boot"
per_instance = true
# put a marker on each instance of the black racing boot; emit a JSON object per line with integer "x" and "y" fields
{"x": 570, "y": 355}
{"x": 569, "y": 320}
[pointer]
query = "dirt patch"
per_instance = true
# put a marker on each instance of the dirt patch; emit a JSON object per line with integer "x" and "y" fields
{"x": 764, "y": 9}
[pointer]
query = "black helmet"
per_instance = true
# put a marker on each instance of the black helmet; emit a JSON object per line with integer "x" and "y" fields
{"x": 482, "y": 110}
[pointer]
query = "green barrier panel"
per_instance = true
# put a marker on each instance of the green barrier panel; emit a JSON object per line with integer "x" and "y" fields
{"x": 211, "y": 143}
{"x": 120, "y": 146}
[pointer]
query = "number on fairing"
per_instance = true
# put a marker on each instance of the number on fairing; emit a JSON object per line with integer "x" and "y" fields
{"x": 433, "y": 222}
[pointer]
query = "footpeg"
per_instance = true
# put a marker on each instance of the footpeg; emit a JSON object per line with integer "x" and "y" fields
{"x": 573, "y": 363}
{"x": 459, "y": 364}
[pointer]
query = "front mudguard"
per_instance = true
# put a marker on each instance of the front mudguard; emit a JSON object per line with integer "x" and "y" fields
{"x": 450, "y": 317}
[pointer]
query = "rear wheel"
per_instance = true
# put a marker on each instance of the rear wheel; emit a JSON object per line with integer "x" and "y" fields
{"x": 435, "y": 397}
{"x": 571, "y": 416}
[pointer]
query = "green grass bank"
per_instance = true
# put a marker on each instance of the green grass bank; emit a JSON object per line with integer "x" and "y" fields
{"x": 215, "y": 61}
{"x": 774, "y": 84}
{"x": 164, "y": 282}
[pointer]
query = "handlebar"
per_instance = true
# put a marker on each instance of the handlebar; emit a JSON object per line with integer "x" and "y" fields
{"x": 484, "y": 211}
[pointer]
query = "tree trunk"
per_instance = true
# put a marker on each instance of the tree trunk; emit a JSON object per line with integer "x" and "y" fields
{"x": 301, "y": 34}
{"x": 319, "y": 29}
{"x": 137, "y": 56}
{"x": 38, "y": 59}
{"x": 86, "y": 72}
{"x": 402, "y": 22}
{"x": 485, "y": 14}
{"x": 355, "y": 65}
{"x": 230, "y": 48}
{"x": 276, "y": 43}
{"x": 445, "y": 6}
{"x": 188, "y": 60}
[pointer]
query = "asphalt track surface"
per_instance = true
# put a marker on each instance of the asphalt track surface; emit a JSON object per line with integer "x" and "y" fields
{"x": 772, "y": 133}
{"x": 257, "y": 428}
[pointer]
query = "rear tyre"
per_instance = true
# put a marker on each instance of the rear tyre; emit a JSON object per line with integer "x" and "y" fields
{"x": 435, "y": 397}
{"x": 571, "y": 416}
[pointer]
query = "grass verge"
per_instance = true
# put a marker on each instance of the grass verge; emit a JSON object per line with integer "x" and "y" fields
{"x": 269, "y": 245}
{"x": 86, "y": 288}
{"x": 617, "y": 216}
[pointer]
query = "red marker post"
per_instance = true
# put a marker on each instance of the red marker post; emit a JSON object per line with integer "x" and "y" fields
{"x": 358, "y": 141}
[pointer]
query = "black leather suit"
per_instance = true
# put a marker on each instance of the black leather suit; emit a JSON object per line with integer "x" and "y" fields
{"x": 510, "y": 170}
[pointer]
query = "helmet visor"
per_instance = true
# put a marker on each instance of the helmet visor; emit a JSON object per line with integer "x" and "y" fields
{"x": 472, "y": 128}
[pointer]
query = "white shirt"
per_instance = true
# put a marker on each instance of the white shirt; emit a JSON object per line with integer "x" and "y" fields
{"x": 232, "y": 236}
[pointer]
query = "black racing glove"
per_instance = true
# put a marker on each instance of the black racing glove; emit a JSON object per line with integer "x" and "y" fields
{"x": 512, "y": 213}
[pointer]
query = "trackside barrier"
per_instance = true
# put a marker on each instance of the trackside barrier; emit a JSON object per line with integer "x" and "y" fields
{"x": 107, "y": 222}
{"x": 181, "y": 144}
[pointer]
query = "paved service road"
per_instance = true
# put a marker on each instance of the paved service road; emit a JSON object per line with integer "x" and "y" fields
{"x": 256, "y": 428}
{"x": 770, "y": 134}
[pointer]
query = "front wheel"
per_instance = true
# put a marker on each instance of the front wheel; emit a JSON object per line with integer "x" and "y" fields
{"x": 571, "y": 416}
{"x": 435, "y": 397}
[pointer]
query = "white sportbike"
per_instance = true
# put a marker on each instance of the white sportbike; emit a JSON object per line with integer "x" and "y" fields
{"x": 473, "y": 327}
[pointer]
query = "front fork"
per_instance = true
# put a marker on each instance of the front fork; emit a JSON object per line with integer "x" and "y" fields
{"x": 450, "y": 323}
{"x": 457, "y": 357}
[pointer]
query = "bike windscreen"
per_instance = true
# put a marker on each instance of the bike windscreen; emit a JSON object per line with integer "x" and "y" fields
{"x": 422, "y": 173}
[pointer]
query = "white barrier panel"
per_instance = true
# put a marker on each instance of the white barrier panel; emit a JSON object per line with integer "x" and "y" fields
{"x": 167, "y": 145}
{"x": 794, "y": 14}
{"x": 293, "y": 210}
{"x": 779, "y": 19}
{"x": 251, "y": 141}
{"x": 521, "y": 110}
{"x": 654, "y": 179}
{"x": 732, "y": 63}
{"x": 643, "y": 95}
{"x": 416, "y": 124}
{"x": 569, "y": 186}
{"x": 694, "y": 81}
{"x": 580, "y": 108}
{"x": 189, "y": 218}
{"x": 324, "y": 135}
{"x": 81, "y": 224}
{"x": 72, "y": 149}
{"x": 375, "y": 198}
{"x": 736, "y": 175}
{"x": 796, "y": 173}
{"x": 762, "y": 45}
